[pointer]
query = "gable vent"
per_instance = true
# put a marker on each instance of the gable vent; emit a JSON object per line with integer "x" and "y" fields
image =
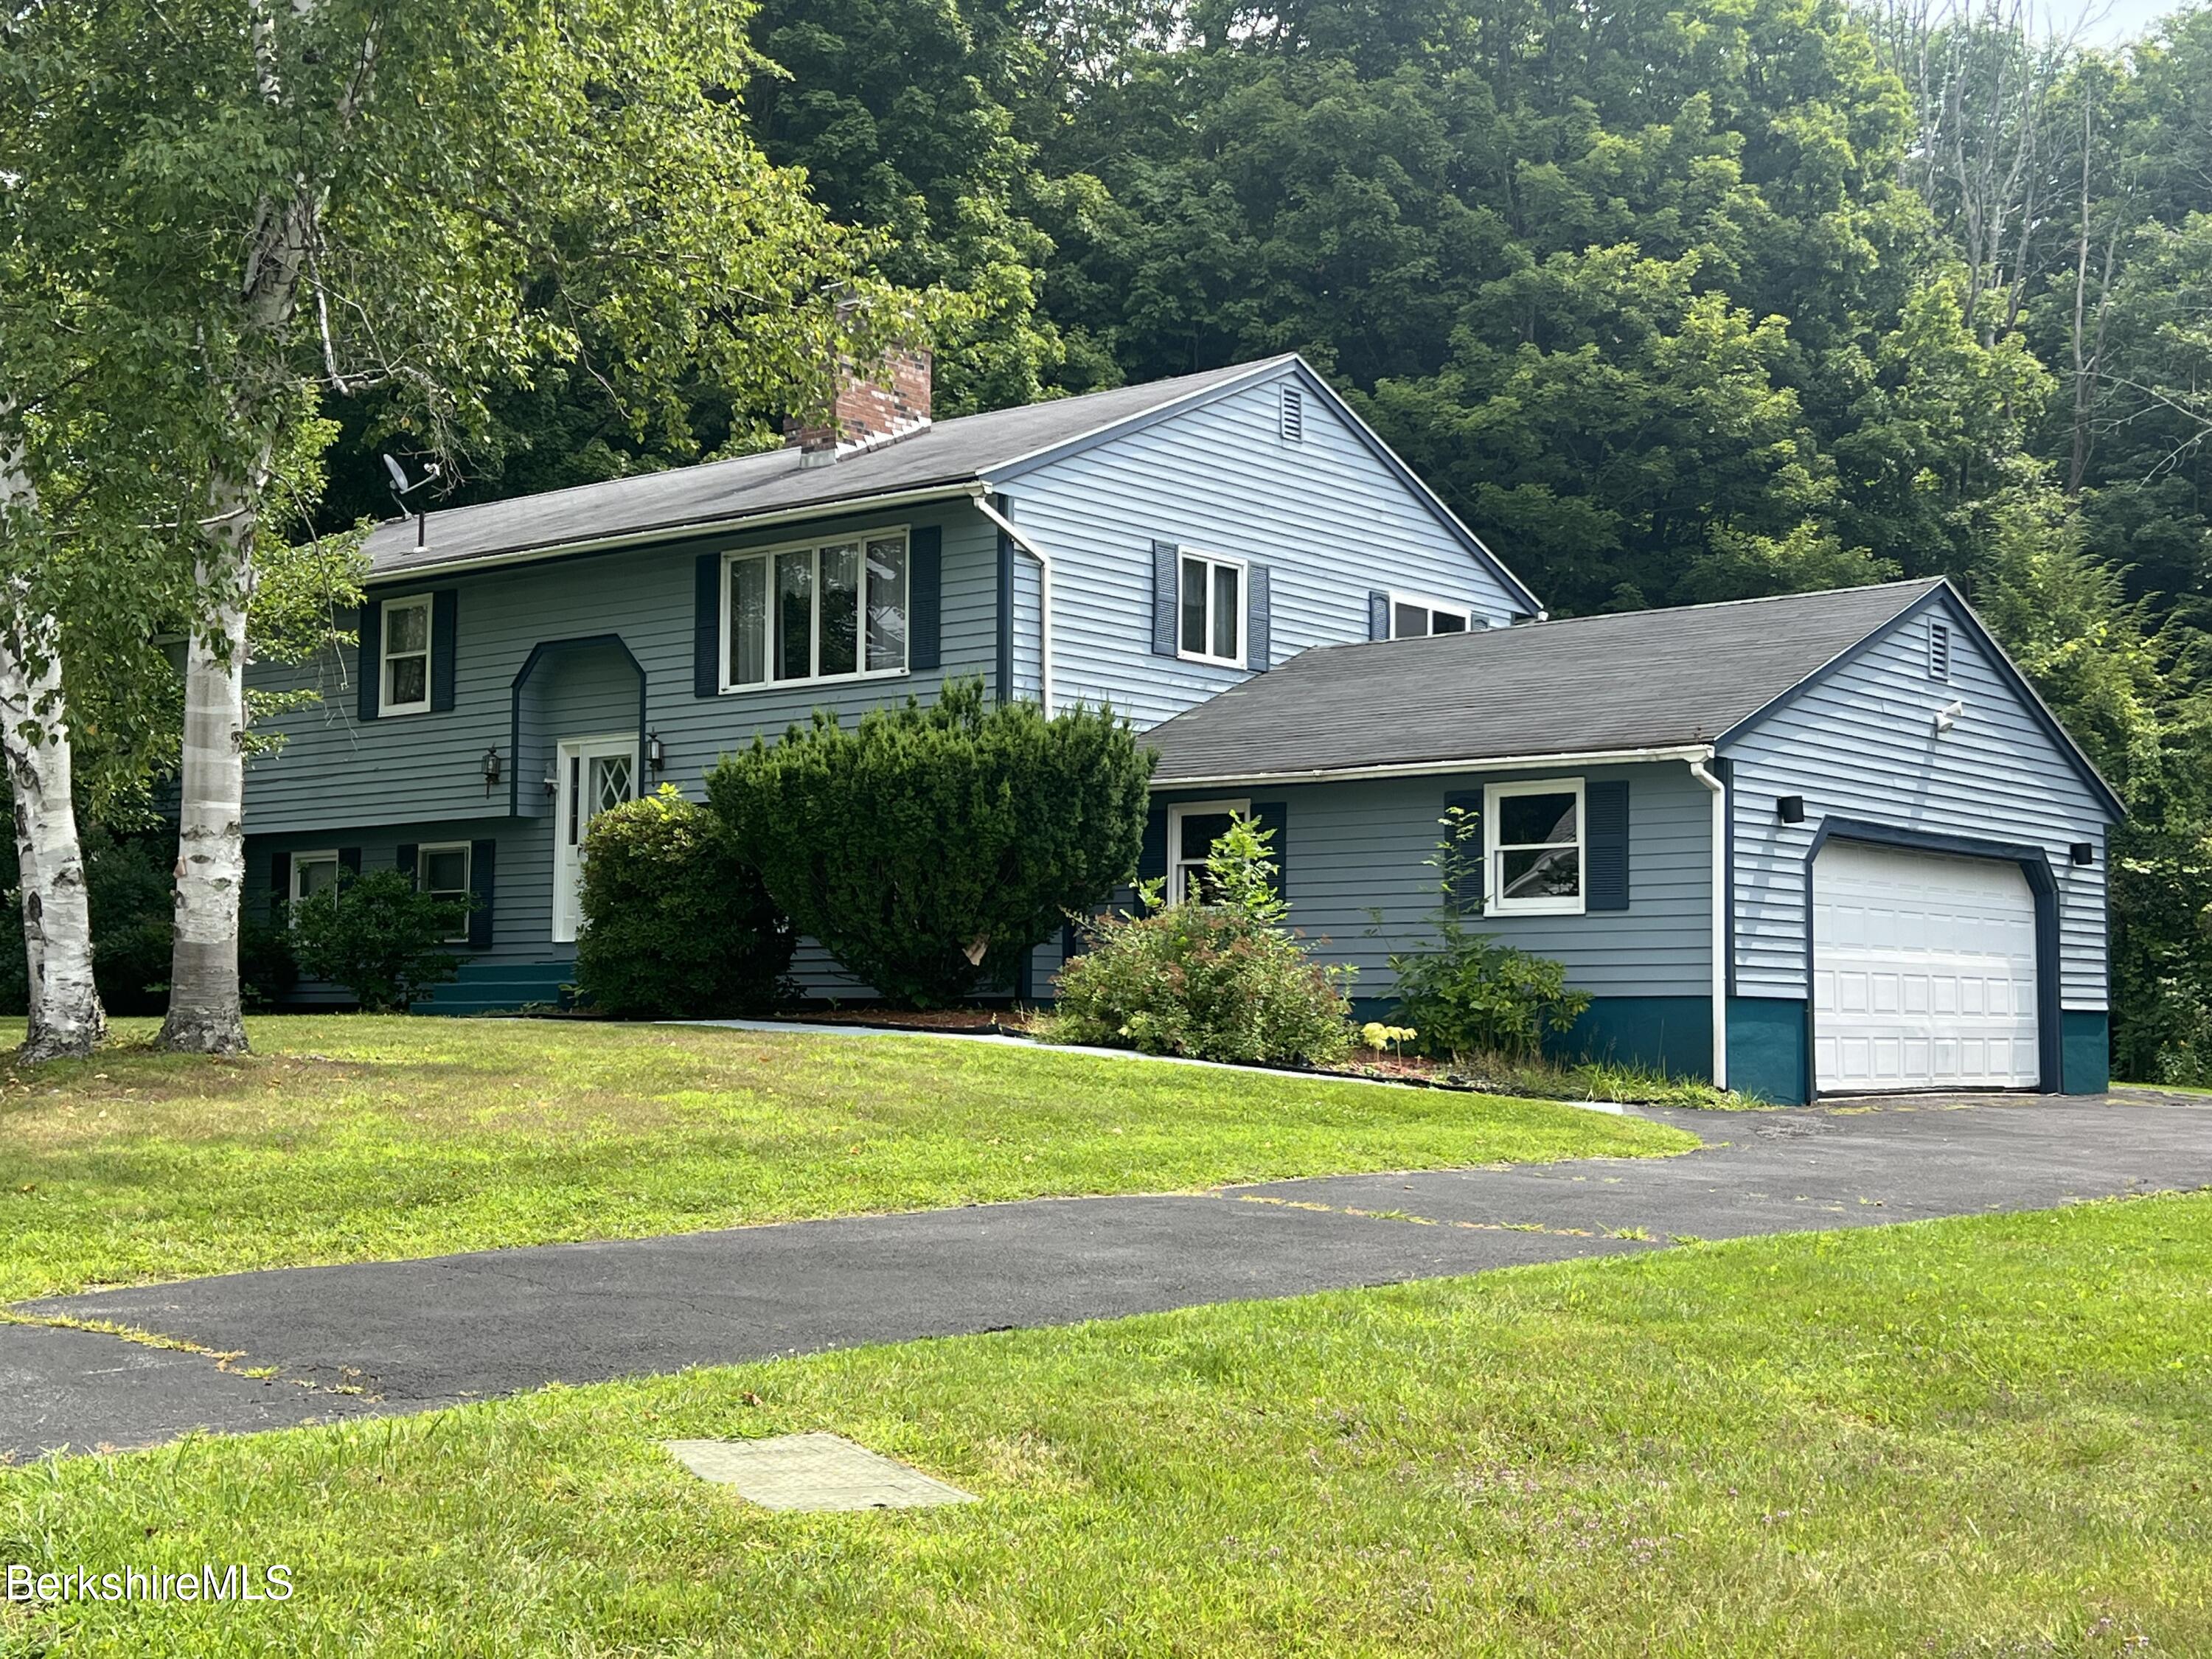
{"x": 1293, "y": 414}
{"x": 1939, "y": 650}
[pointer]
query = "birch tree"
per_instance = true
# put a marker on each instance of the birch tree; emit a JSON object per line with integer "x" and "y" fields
{"x": 432, "y": 198}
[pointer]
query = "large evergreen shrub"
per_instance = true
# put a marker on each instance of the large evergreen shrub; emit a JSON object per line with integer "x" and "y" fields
{"x": 676, "y": 925}
{"x": 930, "y": 848}
{"x": 378, "y": 936}
{"x": 1220, "y": 977}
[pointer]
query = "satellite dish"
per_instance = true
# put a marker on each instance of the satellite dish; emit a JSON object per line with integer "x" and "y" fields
{"x": 399, "y": 484}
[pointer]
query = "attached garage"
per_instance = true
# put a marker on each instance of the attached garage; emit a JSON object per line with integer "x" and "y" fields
{"x": 1924, "y": 971}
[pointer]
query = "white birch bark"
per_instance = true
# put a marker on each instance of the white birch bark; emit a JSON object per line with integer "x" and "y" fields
{"x": 66, "y": 1020}
{"x": 206, "y": 1015}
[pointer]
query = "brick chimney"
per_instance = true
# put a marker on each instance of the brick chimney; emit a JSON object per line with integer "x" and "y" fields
{"x": 867, "y": 410}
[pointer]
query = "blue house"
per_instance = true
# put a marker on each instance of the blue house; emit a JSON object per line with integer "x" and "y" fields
{"x": 1823, "y": 843}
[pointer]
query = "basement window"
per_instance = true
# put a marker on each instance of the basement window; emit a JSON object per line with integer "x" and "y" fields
{"x": 442, "y": 872}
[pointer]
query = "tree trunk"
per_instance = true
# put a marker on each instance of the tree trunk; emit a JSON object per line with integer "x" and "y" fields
{"x": 66, "y": 1020}
{"x": 206, "y": 1016}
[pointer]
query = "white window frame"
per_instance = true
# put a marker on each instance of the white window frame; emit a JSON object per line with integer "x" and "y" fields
{"x": 1243, "y": 569}
{"x": 815, "y": 544}
{"x": 319, "y": 855}
{"x": 1176, "y": 814}
{"x": 1464, "y": 613}
{"x": 1495, "y": 901}
{"x": 391, "y": 607}
{"x": 468, "y": 877}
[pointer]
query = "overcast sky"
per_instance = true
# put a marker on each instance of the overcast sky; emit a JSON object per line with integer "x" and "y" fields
{"x": 2113, "y": 22}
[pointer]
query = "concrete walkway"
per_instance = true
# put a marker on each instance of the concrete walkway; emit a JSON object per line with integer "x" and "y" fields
{"x": 412, "y": 1336}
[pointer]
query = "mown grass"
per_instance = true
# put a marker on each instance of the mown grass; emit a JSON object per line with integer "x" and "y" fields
{"x": 345, "y": 1138}
{"x": 1991, "y": 1436}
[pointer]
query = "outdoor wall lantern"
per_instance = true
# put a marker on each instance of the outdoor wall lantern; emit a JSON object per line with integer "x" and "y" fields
{"x": 656, "y": 753}
{"x": 1791, "y": 808}
{"x": 552, "y": 779}
{"x": 2082, "y": 852}
{"x": 491, "y": 771}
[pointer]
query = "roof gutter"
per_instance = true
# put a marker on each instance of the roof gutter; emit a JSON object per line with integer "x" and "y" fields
{"x": 1695, "y": 752}
{"x": 680, "y": 531}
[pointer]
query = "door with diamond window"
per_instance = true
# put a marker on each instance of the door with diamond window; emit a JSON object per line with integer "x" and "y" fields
{"x": 594, "y": 775}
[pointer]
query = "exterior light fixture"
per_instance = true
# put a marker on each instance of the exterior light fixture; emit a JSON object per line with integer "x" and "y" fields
{"x": 552, "y": 779}
{"x": 656, "y": 753}
{"x": 2082, "y": 852}
{"x": 1948, "y": 716}
{"x": 1791, "y": 808}
{"x": 491, "y": 771}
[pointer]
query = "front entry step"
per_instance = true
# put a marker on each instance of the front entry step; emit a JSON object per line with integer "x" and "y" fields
{"x": 498, "y": 988}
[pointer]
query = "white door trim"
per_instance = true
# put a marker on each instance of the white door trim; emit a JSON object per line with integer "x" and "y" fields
{"x": 572, "y": 758}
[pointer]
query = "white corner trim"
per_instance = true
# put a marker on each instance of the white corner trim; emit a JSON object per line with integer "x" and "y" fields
{"x": 1720, "y": 808}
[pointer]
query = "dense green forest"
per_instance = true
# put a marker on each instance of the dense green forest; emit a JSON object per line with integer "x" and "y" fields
{"x": 1672, "y": 302}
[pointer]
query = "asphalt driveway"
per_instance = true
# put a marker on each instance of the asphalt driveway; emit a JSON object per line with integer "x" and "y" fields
{"x": 412, "y": 1336}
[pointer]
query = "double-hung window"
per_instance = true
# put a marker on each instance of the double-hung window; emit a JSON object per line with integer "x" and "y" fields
{"x": 313, "y": 873}
{"x": 405, "y": 657}
{"x": 442, "y": 872}
{"x": 1413, "y": 618}
{"x": 1210, "y": 609}
{"x": 1192, "y": 830}
{"x": 825, "y": 612}
{"x": 1533, "y": 848}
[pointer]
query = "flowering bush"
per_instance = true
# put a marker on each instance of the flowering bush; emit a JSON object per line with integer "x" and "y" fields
{"x": 1221, "y": 978}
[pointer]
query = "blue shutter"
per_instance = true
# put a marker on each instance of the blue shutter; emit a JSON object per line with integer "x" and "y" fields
{"x": 924, "y": 584}
{"x": 1274, "y": 815}
{"x": 1378, "y": 616}
{"x": 280, "y": 886}
{"x": 481, "y": 856}
{"x": 706, "y": 625}
{"x": 409, "y": 856}
{"x": 1164, "y": 554}
{"x": 350, "y": 860}
{"x": 1152, "y": 854}
{"x": 1606, "y": 834}
{"x": 370, "y": 658}
{"x": 1259, "y": 627}
{"x": 445, "y": 615}
{"x": 1465, "y": 883}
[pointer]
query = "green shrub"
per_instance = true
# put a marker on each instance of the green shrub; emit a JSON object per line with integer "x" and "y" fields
{"x": 1216, "y": 980}
{"x": 378, "y": 937}
{"x": 931, "y": 848}
{"x": 676, "y": 925}
{"x": 1475, "y": 995}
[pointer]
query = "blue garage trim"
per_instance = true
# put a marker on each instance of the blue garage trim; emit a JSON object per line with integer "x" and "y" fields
{"x": 2034, "y": 864}
{"x": 1673, "y": 1035}
{"x": 539, "y": 652}
{"x": 2086, "y": 1039}
{"x": 1768, "y": 1040}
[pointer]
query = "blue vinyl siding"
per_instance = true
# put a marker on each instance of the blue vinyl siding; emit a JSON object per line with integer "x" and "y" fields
{"x": 1861, "y": 743}
{"x": 1361, "y": 888}
{"x": 335, "y": 770}
{"x": 1329, "y": 521}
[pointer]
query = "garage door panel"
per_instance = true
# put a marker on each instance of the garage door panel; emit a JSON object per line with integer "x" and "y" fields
{"x": 1924, "y": 971}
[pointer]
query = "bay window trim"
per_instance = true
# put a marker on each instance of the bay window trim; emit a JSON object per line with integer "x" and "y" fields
{"x": 1495, "y": 900}
{"x": 1212, "y": 560}
{"x": 731, "y": 557}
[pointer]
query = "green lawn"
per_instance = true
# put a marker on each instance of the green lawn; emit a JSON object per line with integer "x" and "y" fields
{"x": 348, "y": 1138}
{"x": 1991, "y": 1436}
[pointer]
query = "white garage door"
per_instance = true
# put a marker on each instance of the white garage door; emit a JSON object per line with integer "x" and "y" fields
{"x": 1923, "y": 972}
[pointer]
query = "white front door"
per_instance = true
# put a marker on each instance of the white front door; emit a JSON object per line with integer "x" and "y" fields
{"x": 1923, "y": 972}
{"x": 594, "y": 774}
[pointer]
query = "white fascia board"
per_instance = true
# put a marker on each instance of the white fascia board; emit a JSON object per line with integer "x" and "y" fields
{"x": 1692, "y": 751}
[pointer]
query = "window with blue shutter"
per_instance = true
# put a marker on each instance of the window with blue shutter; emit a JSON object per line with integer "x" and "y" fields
{"x": 926, "y": 607}
{"x": 368, "y": 665}
{"x": 481, "y": 855}
{"x": 706, "y": 625}
{"x": 445, "y": 618}
{"x": 1273, "y": 818}
{"x": 1259, "y": 622}
{"x": 1166, "y": 585}
{"x": 1378, "y": 616}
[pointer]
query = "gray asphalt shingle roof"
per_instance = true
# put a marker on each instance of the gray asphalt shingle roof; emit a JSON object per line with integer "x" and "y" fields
{"x": 1645, "y": 679}
{"x": 949, "y": 453}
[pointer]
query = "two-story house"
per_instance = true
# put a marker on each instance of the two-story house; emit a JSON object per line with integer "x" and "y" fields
{"x": 1827, "y": 842}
